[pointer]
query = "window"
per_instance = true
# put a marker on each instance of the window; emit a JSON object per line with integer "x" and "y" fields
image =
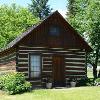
{"x": 54, "y": 30}
{"x": 35, "y": 66}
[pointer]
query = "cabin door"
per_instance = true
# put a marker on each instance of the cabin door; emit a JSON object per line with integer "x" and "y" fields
{"x": 58, "y": 70}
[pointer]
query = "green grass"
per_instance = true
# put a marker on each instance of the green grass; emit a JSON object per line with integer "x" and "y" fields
{"x": 79, "y": 93}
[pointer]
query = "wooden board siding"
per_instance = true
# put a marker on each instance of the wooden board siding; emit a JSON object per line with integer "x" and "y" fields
{"x": 8, "y": 67}
{"x": 74, "y": 61}
{"x": 8, "y": 63}
{"x": 8, "y": 58}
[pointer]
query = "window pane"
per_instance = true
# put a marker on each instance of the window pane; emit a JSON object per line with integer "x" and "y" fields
{"x": 35, "y": 65}
{"x": 54, "y": 30}
{"x": 35, "y": 74}
{"x": 36, "y": 68}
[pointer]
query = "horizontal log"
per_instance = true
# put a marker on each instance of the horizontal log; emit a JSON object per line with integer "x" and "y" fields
{"x": 72, "y": 64}
{"x": 47, "y": 53}
{"x": 23, "y": 58}
{"x": 22, "y": 65}
{"x": 74, "y": 56}
{"x": 71, "y": 68}
{"x": 46, "y": 71}
{"x": 30, "y": 47}
{"x": 25, "y": 73}
{"x": 74, "y": 60}
{"x": 44, "y": 74}
{"x": 76, "y": 49}
{"x": 46, "y": 68}
{"x": 22, "y": 62}
{"x": 73, "y": 49}
{"x": 50, "y": 51}
{"x": 31, "y": 50}
{"x": 22, "y": 69}
{"x": 47, "y": 64}
{"x": 75, "y": 76}
{"x": 76, "y": 53}
{"x": 47, "y": 61}
{"x": 82, "y": 67}
{"x": 75, "y": 73}
{"x": 23, "y": 55}
{"x": 75, "y": 63}
{"x": 75, "y": 70}
{"x": 45, "y": 58}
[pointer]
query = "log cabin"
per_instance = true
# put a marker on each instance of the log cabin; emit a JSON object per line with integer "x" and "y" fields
{"x": 52, "y": 48}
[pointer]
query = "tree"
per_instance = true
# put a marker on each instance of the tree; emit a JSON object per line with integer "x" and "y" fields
{"x": 13, "y": 21}
{"x": 86, "y": 19}
{"x": 71, "y": 8}
{"x": 76, "y": 12}
{"x": 93, "y": 26}
{"x": 39, "y": 8}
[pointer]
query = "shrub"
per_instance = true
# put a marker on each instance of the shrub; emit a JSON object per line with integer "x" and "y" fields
{"x": 97, "y": 82}
{"x": 85, "y": 82}
{"x": 14, "y": 83}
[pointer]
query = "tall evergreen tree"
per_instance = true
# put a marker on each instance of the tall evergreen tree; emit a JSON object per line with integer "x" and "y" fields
{"x": 40, "y": 8}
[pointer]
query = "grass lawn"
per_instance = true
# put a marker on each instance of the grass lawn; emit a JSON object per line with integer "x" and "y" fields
{"x": 78, "y": 93}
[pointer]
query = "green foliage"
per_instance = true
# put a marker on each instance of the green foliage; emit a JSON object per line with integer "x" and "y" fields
{"x": 84, "y": 16}
{"x": 39, "y": 8}
{"x": 85, "y": 82}
{"x": 97, "y": 82}
{"x": 76, "y": 13}
{"x": 14, "y": 83}
{"x": 13, "y": 21}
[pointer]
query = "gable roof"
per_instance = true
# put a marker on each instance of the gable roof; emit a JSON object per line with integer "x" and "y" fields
{"x": 19, "y": 38}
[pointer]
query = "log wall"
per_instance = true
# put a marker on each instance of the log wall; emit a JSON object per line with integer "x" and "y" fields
{"x": 74, "y": 61}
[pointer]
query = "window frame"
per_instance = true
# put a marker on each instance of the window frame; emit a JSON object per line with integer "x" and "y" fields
{"x": 35, "y": 54}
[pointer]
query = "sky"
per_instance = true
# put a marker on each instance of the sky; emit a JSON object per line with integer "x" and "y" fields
{"x": 59, "y": 5}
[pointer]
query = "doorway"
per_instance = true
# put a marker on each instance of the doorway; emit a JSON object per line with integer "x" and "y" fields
{"x": 58, "y": 71}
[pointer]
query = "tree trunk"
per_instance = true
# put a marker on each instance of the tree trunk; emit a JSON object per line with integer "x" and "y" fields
{"x": 94, "y": 70}
{"x": 95, "y": 64}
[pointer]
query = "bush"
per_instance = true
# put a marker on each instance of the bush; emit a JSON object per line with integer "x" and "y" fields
{"x": 14, "y": 83}
{"x": 97, "y": 82}
{"x": 85, "y": 82}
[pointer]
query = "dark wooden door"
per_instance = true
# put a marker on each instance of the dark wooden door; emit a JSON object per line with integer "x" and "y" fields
{"x": 58, "y": 70}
